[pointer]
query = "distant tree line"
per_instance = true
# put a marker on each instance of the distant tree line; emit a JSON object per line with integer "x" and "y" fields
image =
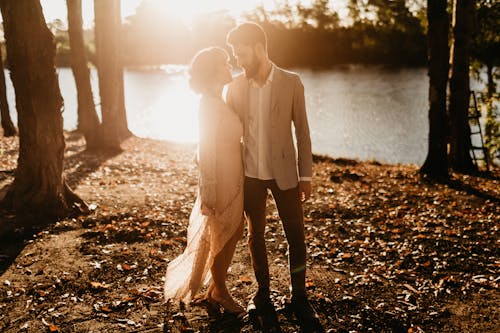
{"x": 381, "y": 32}
{"x": 391, "y": 32}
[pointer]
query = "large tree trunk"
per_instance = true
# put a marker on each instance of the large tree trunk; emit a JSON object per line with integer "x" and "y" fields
{"x": 460, "y": 141}
{"x": 88, "y": 121}
{"x": 39, "y": 189}
{"x": 110, "y": 69}
{"x": 436, "y": 163}
{"x": 8, "y": 127}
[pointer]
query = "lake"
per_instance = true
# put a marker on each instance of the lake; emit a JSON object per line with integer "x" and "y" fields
{"x": 361, "y": 112}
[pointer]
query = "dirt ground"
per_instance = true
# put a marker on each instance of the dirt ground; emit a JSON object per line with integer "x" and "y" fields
{"x": 388, "y": 251}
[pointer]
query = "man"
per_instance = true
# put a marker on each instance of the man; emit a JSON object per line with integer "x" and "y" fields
{"x": 268, "y": 100}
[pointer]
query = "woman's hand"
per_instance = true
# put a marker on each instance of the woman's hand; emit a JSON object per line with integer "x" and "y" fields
{"x": 207, "y": 211}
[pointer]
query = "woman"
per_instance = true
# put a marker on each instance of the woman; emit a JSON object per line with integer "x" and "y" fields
{"x": 216, "y": 221}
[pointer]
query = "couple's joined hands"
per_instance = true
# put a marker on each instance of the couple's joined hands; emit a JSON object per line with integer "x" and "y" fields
{"x": 305, "y": 189}
{"x": 207, "y": 210}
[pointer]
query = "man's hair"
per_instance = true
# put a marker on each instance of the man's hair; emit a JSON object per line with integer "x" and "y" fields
{"x": 248, "y": 34}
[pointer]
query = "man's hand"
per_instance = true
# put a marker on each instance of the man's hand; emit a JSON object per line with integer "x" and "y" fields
{"x": 304, "y": 190}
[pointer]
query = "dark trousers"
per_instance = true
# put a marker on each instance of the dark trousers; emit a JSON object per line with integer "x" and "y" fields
{"x": 292, "y": 217}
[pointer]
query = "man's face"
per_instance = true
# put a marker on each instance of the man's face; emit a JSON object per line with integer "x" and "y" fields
{"x": 247, "y": 59}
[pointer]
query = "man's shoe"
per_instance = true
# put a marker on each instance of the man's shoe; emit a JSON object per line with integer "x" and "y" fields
{"x": 263, "y": 314}
{"x": 306, "y": 315}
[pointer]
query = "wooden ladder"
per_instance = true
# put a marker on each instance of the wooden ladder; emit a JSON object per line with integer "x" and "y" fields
{"x": 475, "y": 130}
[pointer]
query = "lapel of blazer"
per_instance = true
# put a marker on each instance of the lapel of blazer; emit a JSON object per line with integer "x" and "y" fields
{"x": 275, "y": 87}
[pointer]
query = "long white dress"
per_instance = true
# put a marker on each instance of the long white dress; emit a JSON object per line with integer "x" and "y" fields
{"x": 220, "y": 185}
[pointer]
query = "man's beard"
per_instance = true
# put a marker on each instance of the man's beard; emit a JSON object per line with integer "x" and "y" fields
{"x": 252, "y": 70}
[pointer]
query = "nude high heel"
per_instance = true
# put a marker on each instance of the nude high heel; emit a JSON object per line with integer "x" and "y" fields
{"x": 228, "y": 304}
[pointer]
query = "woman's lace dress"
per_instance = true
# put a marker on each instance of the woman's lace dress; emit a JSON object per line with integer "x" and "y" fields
{"x": 221, "y": 186}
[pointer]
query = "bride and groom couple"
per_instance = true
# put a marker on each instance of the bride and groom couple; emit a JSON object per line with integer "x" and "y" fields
{"x": 245, "y": 149}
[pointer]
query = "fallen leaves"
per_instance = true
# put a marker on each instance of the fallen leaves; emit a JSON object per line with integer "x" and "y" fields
{"x": 245, "y": 280}
{"x": 401, "y": 248}
{"x": 405, "y": 240}
{"x": 98, "y": 285}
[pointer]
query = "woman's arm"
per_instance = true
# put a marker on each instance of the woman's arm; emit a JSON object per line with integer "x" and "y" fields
{"x": 207, "y": 156}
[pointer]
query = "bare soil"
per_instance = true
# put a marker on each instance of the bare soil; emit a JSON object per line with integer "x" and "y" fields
{"x": 388, "y": 251}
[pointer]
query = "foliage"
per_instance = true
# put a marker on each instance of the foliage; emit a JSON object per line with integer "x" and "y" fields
{"x": 319, "y": 16}
{"x": 61, "y": 37}
{"x": 379, "y": 31}
{"x": 382, "y": 32}
{"x": 312, "y": 36}
{"x": 486, "y": 42}
{"x": 486, "y": 52}
{"x": 491, "y": 126}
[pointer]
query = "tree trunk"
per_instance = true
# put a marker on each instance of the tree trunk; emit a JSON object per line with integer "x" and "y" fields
{"x": 110, "y": 69}
{"x": 88, "y": 121}
{"x": 436, "y": 164}
{"x": 8, "y": 127}
{"x": 491, "y": 81}
{"x": 39, "y": 189}
{"x": 460, "y": 141}
{"x": 122, "y": 117}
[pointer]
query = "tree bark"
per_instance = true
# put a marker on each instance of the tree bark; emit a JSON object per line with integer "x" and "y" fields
{"x": 110, "y": 69}
{"x": 39, "y": 189}
{"x": 436, "y": 163}
{"x": 460, "y": 141}
{"x": 8, "y": 127}
{"x": 491, "y": 87}
{"x": 88, "y": 121}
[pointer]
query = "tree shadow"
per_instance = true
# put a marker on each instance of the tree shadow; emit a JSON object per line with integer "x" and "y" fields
{"x": 459, "y": 185}
{"x": 85, "y": 163}
{"x": 74, "y": 135}
{"x": 16, "y": 230}
{"x": 15, "y": 233}
{"x": 11, "y": 246}
{"x": 225, "y": 323}
{"x": 5, "y": 174}
{"x": 222, "y": 322}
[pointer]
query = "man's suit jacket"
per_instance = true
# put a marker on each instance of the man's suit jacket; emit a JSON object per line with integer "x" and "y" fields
{"x": 287, "y": 106}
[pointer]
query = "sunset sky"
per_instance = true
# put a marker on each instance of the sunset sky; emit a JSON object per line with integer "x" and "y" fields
{"x": 185, "y": 9}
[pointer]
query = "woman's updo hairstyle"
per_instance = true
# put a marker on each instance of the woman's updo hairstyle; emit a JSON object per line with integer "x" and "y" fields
{"x": 203, "y": 68}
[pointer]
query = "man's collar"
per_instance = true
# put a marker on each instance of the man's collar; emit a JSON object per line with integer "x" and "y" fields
{"x": 269, "y": 79}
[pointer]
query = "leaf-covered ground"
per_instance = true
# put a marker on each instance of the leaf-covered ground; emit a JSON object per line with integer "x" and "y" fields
{"x": 388, "y": 250}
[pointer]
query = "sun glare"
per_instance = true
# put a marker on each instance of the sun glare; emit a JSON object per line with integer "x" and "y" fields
{"x": 188, "y": 10}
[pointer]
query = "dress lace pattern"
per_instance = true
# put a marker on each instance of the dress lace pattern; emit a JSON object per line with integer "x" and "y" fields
{"x": 220, "y": 187}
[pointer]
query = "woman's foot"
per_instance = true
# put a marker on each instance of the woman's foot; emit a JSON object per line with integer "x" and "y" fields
{"x": 227, "y": 302}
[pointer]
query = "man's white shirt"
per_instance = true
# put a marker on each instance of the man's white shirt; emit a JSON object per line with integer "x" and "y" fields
{"x": 258, "y": 156}
{"x": 258, "y": 153}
